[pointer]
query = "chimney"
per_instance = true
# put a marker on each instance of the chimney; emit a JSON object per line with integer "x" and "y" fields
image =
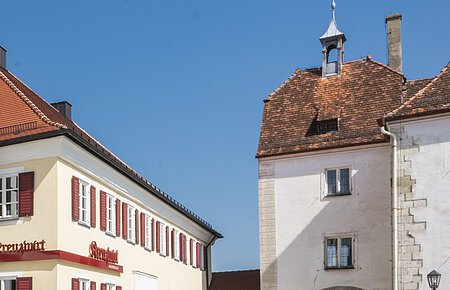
{"x": 394, "y": 39}
{"x": 65, "y": 108}
{"x": 2, "y": 57}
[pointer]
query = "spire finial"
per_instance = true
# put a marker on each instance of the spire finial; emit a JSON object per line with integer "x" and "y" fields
{"x": 333, "y": 7}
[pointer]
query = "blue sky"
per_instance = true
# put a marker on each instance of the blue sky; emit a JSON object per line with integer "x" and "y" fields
{"x": 175, "y": 88}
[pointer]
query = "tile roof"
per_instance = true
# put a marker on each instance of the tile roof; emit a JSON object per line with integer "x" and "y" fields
{"x": 430, "y": 97}
{"x": 364, "y": 92}
{"x": 236, "y": 280}
{"x": 25, "y": 116}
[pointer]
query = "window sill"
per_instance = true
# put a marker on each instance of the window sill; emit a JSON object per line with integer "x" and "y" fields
{"x": 339, "y": 268}
{"x": 10, "y": 218}
{"x": 338, "y": 194}
{"x": 85, "y": 224}
{"x": 111, "y": 234}
{"x": 131, "y": 242}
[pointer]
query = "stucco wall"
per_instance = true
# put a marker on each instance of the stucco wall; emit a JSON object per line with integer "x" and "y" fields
{"x": 304, "y": 216}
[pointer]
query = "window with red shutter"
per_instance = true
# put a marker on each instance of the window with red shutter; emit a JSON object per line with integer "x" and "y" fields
{"x": 173, "y": 243}
{"x": 118, "y": 218}
{"x": 158, "y": 237}
{"x": 26, "y": 194}
{"x": 191, "y": 251}
{"x": 75, "y": 198}
{"x": 102, "y": 210}
{"x": 153, "y": 234}
{"x": 167, "y": 242}
{"x": 93, "y": 285}
{"x": 136, "y": 224}
{"x": 142, "y": 229}
{"x": 75, "y": 284}
{"x": 180, "y": 246}
{"x": 93, "y": 207}
{"x": 103, "y": 286}
{"x": 124, "y": 220}
{"x": 24, "y": 283}
{"x": 198, "y": 255}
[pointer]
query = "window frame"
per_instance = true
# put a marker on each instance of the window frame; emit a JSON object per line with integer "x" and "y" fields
{"x": 84, "y": 185}
{"x": 3, "y": 279}
{"x": 339, "y": 248}
{"x": 110, "y": 286}
{"x": 3, "y": 192}
{"x": 327, "y": 126}
{"x": 110, "y": 220}
{"x": 176, "y": 245}
{"x": 131, "y": 222}
{"x": 148, "y": 233}
{"x": 339, "y": 191}
{"x": 86, "y": 282}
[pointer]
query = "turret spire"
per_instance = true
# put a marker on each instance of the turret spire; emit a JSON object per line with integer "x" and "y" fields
{"x": 333, "y": 7}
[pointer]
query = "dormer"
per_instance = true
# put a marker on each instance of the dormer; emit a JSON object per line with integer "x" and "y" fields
{"x": 332, "y": 48}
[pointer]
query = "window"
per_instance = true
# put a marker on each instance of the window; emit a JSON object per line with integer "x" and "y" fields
{"x": 110, "y": 286}
{"x": 84, "y": 284}
{"x": 162, "y": 239}
{"x": 84, "y": 203}
{"x": 9, "y": 196}
{"x": 110, "y": 214}
{"x": 131, "y": 224}
{"x": 8, "y": 284}
{"x": 327, "y": 126}
{"x": 176, "y": 244}
{"x": 338, "y": 181}
{"x": 148, "y": 233}
{"x": 194, "y": 254}
{"x": 339, "y": 252}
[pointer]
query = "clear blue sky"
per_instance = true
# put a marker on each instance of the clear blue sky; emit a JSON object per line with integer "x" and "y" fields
{"x": 175, "y": 88}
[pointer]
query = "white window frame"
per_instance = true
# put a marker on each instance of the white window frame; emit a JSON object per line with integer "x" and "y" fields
{"x": 194, "y": 253}
{"x": 4, "y": 279}
{"x": 110, "y": 214}
{"x": 162, "y": 239}
{"x": 110, "y": 286}
{"x": 338, "y": 181}
{"x": 84, "y": 284}
{"x": 176, "y": 244}
{"x": 131, "y": 220}
{"x": 148, "y": 233}
{"x": 14, "y": 203}
{"x": 339, "y": 239}
{"x": 84, "y": 189}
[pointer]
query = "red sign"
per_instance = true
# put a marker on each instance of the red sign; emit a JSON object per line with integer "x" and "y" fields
{"x": 107, "y": 255}
{"x": 23, "y": 247}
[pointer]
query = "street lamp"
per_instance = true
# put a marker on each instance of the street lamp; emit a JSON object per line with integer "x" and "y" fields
{"x": 434, "y": 278}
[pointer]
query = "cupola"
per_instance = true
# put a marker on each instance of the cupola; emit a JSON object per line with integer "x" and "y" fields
{"x": 332, "y": 48}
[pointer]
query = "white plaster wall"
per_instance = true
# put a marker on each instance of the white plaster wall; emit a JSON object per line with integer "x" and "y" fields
{"x": 430, "y": 167}
{"x": 304, "y": 216}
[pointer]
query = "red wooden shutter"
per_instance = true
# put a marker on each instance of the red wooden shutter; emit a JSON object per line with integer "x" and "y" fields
{"x": 102, "y": 210}
{"x": 118, "y": 287}
{"x": 185, "y": 248}
{"x": 191, "y": 251}
{"x": 117, "y": 218}
{"x": 136, "y": 225}
{"x": 26, "y": 192}
{"x": 75, "y": 284}
{"x": 93, "y": 207}
{"x": 103, "y": 286}
{"x": 124, "y": 220}
{"x": 24, "y": 283}
{"x": 198, "y": 255}
{"x": 75, "y": 198}
{"x": 167, "y": 242}
{"x": 158, "y": 236}
{"x": 180, "y": 246}
{"x": 93, "y": 285}
{"x": 153, "y": 234}
{"x": 173, "y": 243}
{"x": 142, "y": 229}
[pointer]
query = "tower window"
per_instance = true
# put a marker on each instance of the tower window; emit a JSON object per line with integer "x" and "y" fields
{"x": 327, "y": 126}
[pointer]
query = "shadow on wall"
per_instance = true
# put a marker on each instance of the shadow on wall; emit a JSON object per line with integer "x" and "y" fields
{"x": 306, "y": 220}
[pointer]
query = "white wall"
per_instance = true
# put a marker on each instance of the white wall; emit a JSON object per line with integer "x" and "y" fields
{"x": 304, "y": 216}
{"x": 430, "y": 167}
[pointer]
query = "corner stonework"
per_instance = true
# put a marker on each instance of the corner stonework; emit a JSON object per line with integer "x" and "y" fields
{"x": 409, "y": 250}
{"x": 267, "y": 225}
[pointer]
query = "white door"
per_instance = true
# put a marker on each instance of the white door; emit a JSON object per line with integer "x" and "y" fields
{"x": 144, "y": 282}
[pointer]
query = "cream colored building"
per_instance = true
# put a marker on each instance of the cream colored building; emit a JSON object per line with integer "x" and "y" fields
{"x": 74, "y": 216}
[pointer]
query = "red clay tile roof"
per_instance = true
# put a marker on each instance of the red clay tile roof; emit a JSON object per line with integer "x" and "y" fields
{"x": 364, "y": 92}
{"x": 236, "y": 280}
{"x": 23, "y": 113}
{"x": 432, "y": 98}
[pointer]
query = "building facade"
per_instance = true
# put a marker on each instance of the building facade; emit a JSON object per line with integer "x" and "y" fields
{"x": 74, "y": 216}
{"x": 353, "y": 174}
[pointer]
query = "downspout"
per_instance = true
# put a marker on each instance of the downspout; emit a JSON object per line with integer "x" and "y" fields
{"x": 383, "y": 130}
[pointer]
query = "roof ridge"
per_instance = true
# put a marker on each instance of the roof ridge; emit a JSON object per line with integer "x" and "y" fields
{"x": 369, "y": 58}
{"x": 29, "y": 103}
{"x": 420, "y": 92}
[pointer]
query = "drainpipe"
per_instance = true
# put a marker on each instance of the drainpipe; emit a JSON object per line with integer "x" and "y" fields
{"x": 208, "y": 267}
{"x": 383, "y": 130}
